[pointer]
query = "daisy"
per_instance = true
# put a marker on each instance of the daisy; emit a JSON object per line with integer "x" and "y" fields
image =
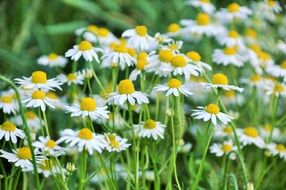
{"x": 37, "y": 99}
{"x": 174, "y": 30}
{"x": 10, "y": 131}
{"x": 22, "y": 157}
{"x": 230, "y": 39}
{"x": 115, "y": 143}
{"x": 150, "y": 129}
{"x": 126, "y": 93}
{"x": 221, "y": 149}
{"x": 225, "y": 131}
{"x": 174, "y": 46}
{"x": 277, "y": 70}
{"x": 250, "y": 36}
{"x": 265, "y": 132}
{"x": 88, "y": 107}
{"x": 254, "y": 81}
{"x": 281, "y": 46}
{"x": 233, "y": 12}
{"x": 38, "y": 80}
{"x": 8, "y": 102}
{"x": 174, "y": 87}
{"x": 49, "y": 146}
{"x": 277, "y": 149}
{"x": 33, "y": 121}
{"x": 85, "y": 49}
{"x": 72, "y": 78}
{"x": 227, "y": 56}
{"x": 86, "y": 73}
{"x": 52, "y": 60}
{"x": 278, "y": 89}
{"x": 138, "y": 38}
{"x": 231, "y": 97}
{"x": 195, "y": 58}
{"x": 161, "y": 39}
{"x": 84, "y": 139}
{"x": 47, "y": 168}
{"x": 142, "y": 61}
{"x": 250, "y": 135}
{"x": 205, "y": 5}
{"x": 184, "y": 147}
{"x": 211, "y": 112}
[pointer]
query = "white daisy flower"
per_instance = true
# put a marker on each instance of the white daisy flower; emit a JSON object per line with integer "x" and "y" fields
{"x": 265, "y": 132}
{"x": 48, "y": 168}
{"x": 195, "y": 58}
{"x": 277, "y": 70}
{"x": 49, "y": 146}
{"x": 230, "y": 39}
{"x": 184, "y": 147}
{"x": 205, "y": 5}
{"x": 281, "y": 46}
{"x": 72, "y": 78}
{"x": 174, "y": 46}
{"x": 88, "y": 107}
{"x": 174, "y": 30}
{"x": 22, "y": 157}
{"x": 250, "y": 135}
{"x": 139, "y": 38}
{"x": 221, "y": 149}
{"x": 85, "y": 49}
{"x": 174, "y": 87}
{"x": 254, "y": 81}
{"x": 115, "y": 143}
{"x": 161, "y": 39}
{"x": 86, "y": 73}
{"x": 211, "y": 112}
{"x": 231, "y": 97}
{"x": 59, "y": 102}
{"x": 84, "y": 139}
{"x": 233, "y": 12}
{"x": 277, "y": 149}
{"x": 8, "y": 102}
{"x": 142, "y": 61}
{"x": 150, "y": 129}
{"x": 38, "y": 80}
{"x": 37, "y": 99}
{"x": 278, "y": 89}
{"x": 250, "y": 36}
{"x": 8, "y": 130}
{"x": 224, "y": 131}
{"x": 227, "y": 56}
{"x": 33, "y": 121}
{"x": 126, "y": 93}
{"x": 52, "y": 60}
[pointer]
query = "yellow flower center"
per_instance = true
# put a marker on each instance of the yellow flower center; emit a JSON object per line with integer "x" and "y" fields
{"x": 255, "y": 78}
{"x": 174, "y": 83}
{"x": 165, "y": 55}
{"x": 142, "y": 55}
{"x": 85, "y": 45}
{"x": 150, "y": 124}
{"x": 229, "y": 50}
{"x": 121, "y": 48}
{"x": 179, "y": 61}
{"x": 30, "y": 115}
{"x": 92, "y": 28}
{"x": 126, "y": 87}
{"x": 281, "y": 148}
{"x": 267, "y": 127}
{"x": 251, "y": 131}
{"x": 38, "y": 94}
{"x": 226, "y": 148}
{"x": 203, "y": 19}
{"x": 141, "y": 63}
{"x": 141, "y": 30}
{"x": 233, "y": 34}
{"x": 8, "y": 126}
{"x": 88, "y": 104}
{"x": 71, "y": 77}
{"x": 195, "y": 56}
{"x": 103, "y": 32}
{"x": 271, "y": 3}
{"x": 229, "y": 93}
{"x": 205, "y": 1}
{"x": 256, "y": 48}
{"x": 264, "y": 56}
{"x": 279, "y": 88}
{"x": 85, "y": 134}
{"x": 51, "y": 144}
{"x": 24, "y": 153}
{"x": 220, "y": 78}
{"x": 39, "y": 77}
{"x": 227, "y": 130}
{"x": 6, "y": 99}
{"x": 132, "y": 52}
{"x": 233, "y": 7}
{"x": 173, "y": 46}
{"x": 52, "y": 95}
{"x": 112, "y": 141}
{"x": 174, "y": 27}
{"x": 52, "y": 56}
{"x": 212, "y": 108}
{"x": 251, "y": 33}
{"x": 283, "y": 65}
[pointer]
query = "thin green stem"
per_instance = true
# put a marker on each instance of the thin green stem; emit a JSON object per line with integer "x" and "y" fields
{"x": 46, "y": 124}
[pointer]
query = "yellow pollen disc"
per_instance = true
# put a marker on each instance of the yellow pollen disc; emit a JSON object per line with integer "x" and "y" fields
{"x": 30, "y": 115}
{"x": 251, "y": 33}
{"x": 267, "y": 127}
{"x": 38, "y": 95}
{"x": 85, "y": 45}
{"x": 126, "y": 87}
{"x": 103, "y": 32}
{"x": 39, "y": 77}
{"x": 141, "y": 30}
{"x": 256, "y": 48}
{"x": 52, "y": 95}
{"x": 279, "y": 88}
{"x": 166, "y": 55}
{"x": 205, "y": 1}
{"x": 85, "y": 133}
{"x": 233, "y": 34}
{"x": 179, "y": 61}
{"x": 220, "y": 79}
{"x": 174, "y": 83}
{"x": 88, "y": 104}
{"x": 227, "y": 130}
{"x": 251, "y": 131}
{"x": 255, "y": 78}
{"x": 229, "y": 93}
{"x": 281, "y": 148}
{"x": 283, "y": 65}
{"x": 141, "y": 63}
{"x": 51, "y": 144}
{"x": 264, "y": 56}
{"x": 212, "y": 108}
{"x": 226, "y": 148}
{"x": 71, "y": 77}
{"x": 113, "y": 142}
{"x": 142, "y": 55}
{"x": 132, "y": 52}
{"x": 271, "y": 3}
{"x": 203, "y": 19}
{"x": 195, "y": 56}
{"x": 52, "y": 56}
{"x": 121, "y": 48}
{"x": 229, "y": 51}
{"x": 6, "y": 99}
{"x": 8, "y": 126}
{"x": 24, "y": 153}
{"x": 174, "y": 27}
{"x": 150, "y": 124}
{"x": 92, "y": 28}
{"x": 233, "y": 7}
{"x": 173, "y": 46}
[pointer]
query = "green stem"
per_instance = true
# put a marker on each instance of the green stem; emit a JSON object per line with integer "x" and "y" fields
{"x": 46, "y": 124}
{"x": 95, "y": 77}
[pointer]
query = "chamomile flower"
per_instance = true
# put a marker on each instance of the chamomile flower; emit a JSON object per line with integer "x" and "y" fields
{"x": 84, "y": 139}
{"x": 49, "y": 146}
{"x": 277, "y": 149}
{"x": 281, "y": 46}
{"x": 265, "y": 132}
{"x": 221, "y": 149}
{"x": 254, "y": 81}
{"x": 150, "y": 129}
{"x": 88, "y": 107}
{"x": 233, "y": 12}
{"x": 211, "y": 112}
{"x": 38, "y": 80}
{"x": 231, "y": 97}
{"x": 277, "y": 70}
{"x": 84, "y": 49}
{"x": 142, "y": 61}
{"x": 205, "y": 5}
{"x": 8, "y": 102}
{"x": 224, "y": 131}
{"x": 126, "y": 93}
{"x": 38, "y": 99}
{"x": 173, "y": 87}
{"x": 9, "y": 131}
{"x": 33, "y": 121}
{"x": 162, "y": 39}
{"x": 278, "y": 89}
{"x": 138, "y": 38}
{"x": 227, "y": 56}
{"x": 195, "y": 58}
{"x": 174, "y": 46}
{"x": 250, "y": 135}
{"x": 52, "y": 60}
{"x": 230, "y": 39}
{"x": 48, "y": 167}
{"x": 115, "y": 143}
{"x": 174, "y": 30}
{"x": 22, "y": 157}
{"x": 71, "y": 78}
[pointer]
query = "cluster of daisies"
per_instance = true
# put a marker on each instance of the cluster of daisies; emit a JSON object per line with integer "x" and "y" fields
{"x": 123, "y": 92}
